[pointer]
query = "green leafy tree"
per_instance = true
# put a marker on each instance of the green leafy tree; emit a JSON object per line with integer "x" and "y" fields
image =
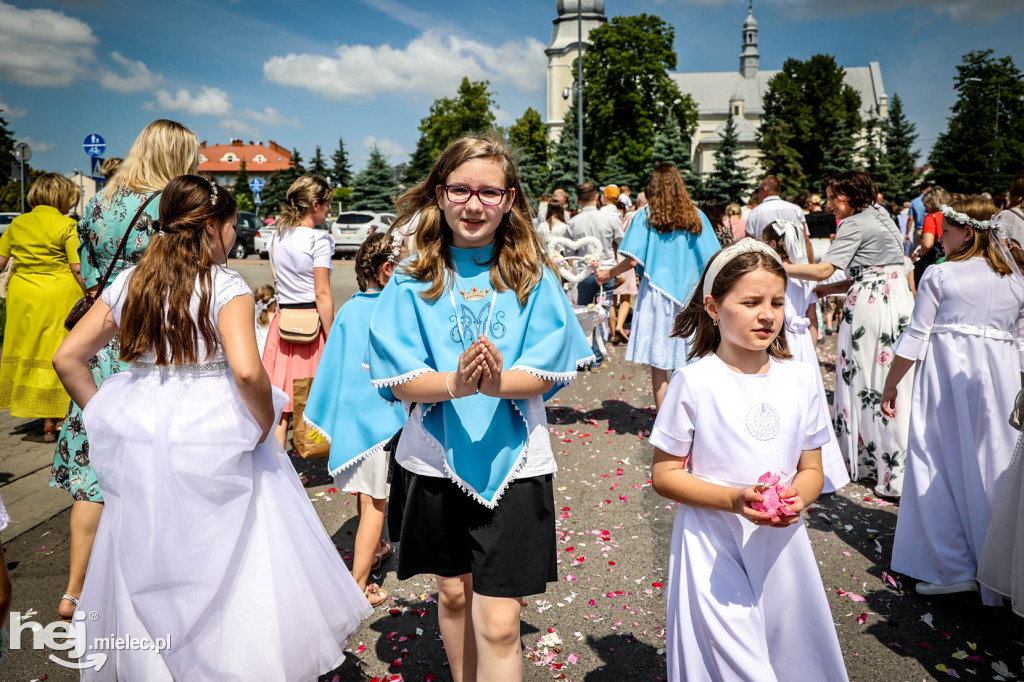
{"x": 670, "y": 146}
{"x": 983, "y": 144}
{"x": 318, "y": 166}
{"x": 341, "y": 171}
{"x": 241, "y": 191}
{"x": 811, "y": 98}
{"x": 275, "y": 191}
{"x": 528, "y": 135}
{"x": 780, "y": 158}
{"x": 10, "y": 193}
{"x": 375, "y": 187}
{"x": 838, "y": 155}
{"x": 627, "y": 90}
{"x": 730, "y": 179}
{"x": 6, "y": 151}
{"x": 900, "y": 137}
{"x": 449, "y": 119}
{"x": 564, "y": 158}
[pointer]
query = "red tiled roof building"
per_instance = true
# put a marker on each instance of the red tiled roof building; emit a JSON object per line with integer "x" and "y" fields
{"x": 223, "y": 161}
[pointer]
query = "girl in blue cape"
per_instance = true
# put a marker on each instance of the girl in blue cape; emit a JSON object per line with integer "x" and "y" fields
{"x": 476, "y": 331}
{"x": 668, "y": 242}
{"x": 344, "y": 408}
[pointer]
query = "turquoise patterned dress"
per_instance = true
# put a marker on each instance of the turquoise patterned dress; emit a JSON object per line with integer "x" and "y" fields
{"x": 105, "y": 221}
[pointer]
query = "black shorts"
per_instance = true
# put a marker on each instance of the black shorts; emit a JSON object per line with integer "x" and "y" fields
{"x": 509, "y": 550}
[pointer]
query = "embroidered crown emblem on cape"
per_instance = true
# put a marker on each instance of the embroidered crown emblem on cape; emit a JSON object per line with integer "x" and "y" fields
{"x": 474, "y": 294}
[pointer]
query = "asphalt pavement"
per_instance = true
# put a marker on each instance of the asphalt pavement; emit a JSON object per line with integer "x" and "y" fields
{"x": 604, "y": 619}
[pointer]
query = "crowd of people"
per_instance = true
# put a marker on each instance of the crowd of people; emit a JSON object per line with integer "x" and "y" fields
{"x": 179, "y": 387}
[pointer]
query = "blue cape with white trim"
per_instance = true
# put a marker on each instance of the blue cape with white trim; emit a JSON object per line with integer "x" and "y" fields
{"x": 483, "y": 439}
{"x": 672, "y": 262}
{"x": 343, "y": 406}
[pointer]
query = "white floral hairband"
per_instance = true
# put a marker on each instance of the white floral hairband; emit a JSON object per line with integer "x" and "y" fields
{"x": 964, "y": 219}
{"x": 213, "y": 194}
{"x": 395, "y": 253}
{"x": 261, "y": 306}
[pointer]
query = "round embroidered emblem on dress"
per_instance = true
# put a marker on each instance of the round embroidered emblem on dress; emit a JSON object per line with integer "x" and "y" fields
{"x": 763, "y": 421}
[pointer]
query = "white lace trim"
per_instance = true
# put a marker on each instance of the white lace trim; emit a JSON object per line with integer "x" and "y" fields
{"x": 654, "y": 287}
{"x": 395, "y": 381}
{"x": 565, "y": 378}
{"x": 462, "y": 484}
{"x": 379, "y": 447}
{"x": 318, "y": 432}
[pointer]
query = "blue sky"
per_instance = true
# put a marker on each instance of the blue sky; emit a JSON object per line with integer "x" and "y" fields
{"x": 367, "y": 70}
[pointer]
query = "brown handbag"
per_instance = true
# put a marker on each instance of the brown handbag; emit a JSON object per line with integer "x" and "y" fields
{"x": 308, "y": 443}
{"x": 83, "y": 304}
{"x": 295, "y": 325}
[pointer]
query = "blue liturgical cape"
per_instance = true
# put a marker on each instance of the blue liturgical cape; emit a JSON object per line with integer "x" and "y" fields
{"x": 672, "y": 262}
{"x": 343, "y": 406}
{"x": 483, "y": 439}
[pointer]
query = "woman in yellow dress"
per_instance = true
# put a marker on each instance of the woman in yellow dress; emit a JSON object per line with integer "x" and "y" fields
{"x": 44, "y": 286}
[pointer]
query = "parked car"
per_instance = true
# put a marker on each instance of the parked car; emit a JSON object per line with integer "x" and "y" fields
{"x": 5, "y": 220}
{"x": 351, "y": 229}
{"x": 245, "y": 234}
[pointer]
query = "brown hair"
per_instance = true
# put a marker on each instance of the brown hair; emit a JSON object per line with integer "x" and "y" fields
{"x": 1016, "y": 191}
{"x": 555, "y": 210}
{"x": 934, "y": 198}
{"x": 299, "y": 200}
{"x": 264, "y": 294}
{"x": 518, "y": 259}
{"x": 695, "y": 322}
{"x": 771, "y": 184}
{"x": 982, "y": 243}
{"x": 586, "y": 192}
{"x": 856, "y": 185}
{"x": 373, "y": 253}
{"x": 156, "y": 314}
{"x": 671, "y": 207}
{"x": 53, "y": 189}
{"x": 769, "y": 235}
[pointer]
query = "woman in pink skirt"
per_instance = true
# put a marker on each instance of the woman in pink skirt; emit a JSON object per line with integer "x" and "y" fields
{"x": 300, "y": 257}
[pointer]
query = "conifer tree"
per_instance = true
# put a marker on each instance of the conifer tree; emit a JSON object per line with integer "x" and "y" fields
{"x": 275, "y": 192}
{"x": 340, "y": 171}
{"x": 900, "y": 136}
{"x": 563, "y": 159}
{"x": 375, "y": 187}
{"x": 670, "y": 146}
{"x": 730, "y": 179}
{"x": 6, "y": 151}
{"x": 838, "y": 155}
{"x": 318, "y": 165}
{"x": 241, "y": 191}
{"x": 781, "y": 159}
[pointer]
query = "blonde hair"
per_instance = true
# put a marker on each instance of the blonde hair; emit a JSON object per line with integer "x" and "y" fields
{"x": 162, "y": 151}
{"x": 982, "y": 244}
{"x": 733, "y": 209}
{"x": 53, "y": 189}
{"x": 518, "y": 259}
{"x": 300, "y": 198}
{"x": 934, "y": 198}
{"x": 263, "y": 294}
{"x": 110, "y": 166}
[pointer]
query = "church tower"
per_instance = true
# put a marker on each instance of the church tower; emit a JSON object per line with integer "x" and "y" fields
{"x": 749, "y": 57}
{"x": 561, "y": 53}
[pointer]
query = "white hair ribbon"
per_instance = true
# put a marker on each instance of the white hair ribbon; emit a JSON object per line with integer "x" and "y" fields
{"x": 730, "y": 253}
{"x": 792, "y": 234}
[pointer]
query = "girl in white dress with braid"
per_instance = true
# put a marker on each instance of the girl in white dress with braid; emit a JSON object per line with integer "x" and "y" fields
{"x": 738, "y": 444}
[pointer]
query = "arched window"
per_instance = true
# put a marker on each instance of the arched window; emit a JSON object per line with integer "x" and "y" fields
{"x": 259, "y": 158}
{"x": 229, "y": 158}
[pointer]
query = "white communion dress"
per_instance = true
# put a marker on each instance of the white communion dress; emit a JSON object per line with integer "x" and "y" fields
{"x": 207, "y": 538}
{"x": 745, "y": 602}
{"x": 965, "y": 335}
{"x": 799, "y": 297}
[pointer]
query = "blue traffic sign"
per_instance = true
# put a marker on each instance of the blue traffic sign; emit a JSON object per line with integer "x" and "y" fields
{"x": 97, "y": 163}
{"x": 257, "y": 199}
{"x": 256, "y": 185}
{"x": 94, "y": 145}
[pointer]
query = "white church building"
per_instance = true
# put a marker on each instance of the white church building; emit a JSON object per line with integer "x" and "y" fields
{"x": 716, "y": 94}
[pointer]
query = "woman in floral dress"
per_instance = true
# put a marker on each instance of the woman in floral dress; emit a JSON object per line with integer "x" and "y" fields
{"x": 162, "y": 151}
{"x": 869, "y": 248}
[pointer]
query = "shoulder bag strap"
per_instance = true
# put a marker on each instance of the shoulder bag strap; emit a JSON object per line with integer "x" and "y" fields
{"x": 273, "y": 270}
{"x": 120, "y": 246}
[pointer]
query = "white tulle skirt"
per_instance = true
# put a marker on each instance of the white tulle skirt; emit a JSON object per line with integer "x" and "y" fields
{"x": 207, "y": 541}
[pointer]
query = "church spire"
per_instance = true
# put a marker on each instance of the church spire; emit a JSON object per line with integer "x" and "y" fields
{"x": 749, "y": 57}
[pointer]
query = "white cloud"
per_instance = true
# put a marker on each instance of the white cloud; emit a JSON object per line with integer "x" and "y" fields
{"x": 207, "y": 102}
{"x": 41, "y": 47}
{"x": 138, "y": 76}
{"x": 389, "y": 148}
{"x": 968, "y": 11}
{"x": 239, "y": 127}
{"x": 8, "y": 112}
{"x": 402, "y": 13}
{"x": 271, "y": 117}
{"x": 38, "y": 147}
{"x": 432, "y": 64}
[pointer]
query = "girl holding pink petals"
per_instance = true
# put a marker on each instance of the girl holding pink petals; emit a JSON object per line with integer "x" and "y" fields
{"x": 741, "y": 560}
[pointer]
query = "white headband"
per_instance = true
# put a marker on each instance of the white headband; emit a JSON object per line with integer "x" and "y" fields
{"x": 731, "y": 253}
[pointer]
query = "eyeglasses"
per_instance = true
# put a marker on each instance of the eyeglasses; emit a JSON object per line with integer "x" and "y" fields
{"x": 461, "y": 195}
